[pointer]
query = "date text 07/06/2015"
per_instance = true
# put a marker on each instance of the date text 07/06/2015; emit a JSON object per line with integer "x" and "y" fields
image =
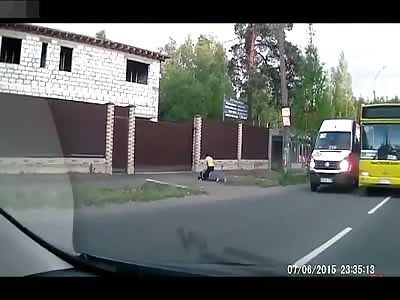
{"x": 332, "y": 270}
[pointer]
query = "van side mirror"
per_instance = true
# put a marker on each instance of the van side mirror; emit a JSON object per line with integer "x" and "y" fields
{"x": 357, "y": 147}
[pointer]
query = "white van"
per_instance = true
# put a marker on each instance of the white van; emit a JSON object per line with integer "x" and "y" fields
{"x": 336, "y": 154}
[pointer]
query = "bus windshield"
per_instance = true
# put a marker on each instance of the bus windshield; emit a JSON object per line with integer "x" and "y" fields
{"x": 381, "y": 141}
{"x": 333, "y": 140}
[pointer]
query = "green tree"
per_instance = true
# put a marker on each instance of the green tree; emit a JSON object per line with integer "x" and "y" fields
{"x": 386, "y": 99}
{"x": 358, "y": 103}
{"x": 313, "y": 101}
{"x": 264, "y": 79}
{"x": 194, "y": 80}
{"x": 101, "y": 35}
{"x": 342, "y": 90}
{"x": 265, "y": 114}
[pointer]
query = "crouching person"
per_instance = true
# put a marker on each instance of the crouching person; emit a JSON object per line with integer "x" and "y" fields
{"x": 210, "y": 168}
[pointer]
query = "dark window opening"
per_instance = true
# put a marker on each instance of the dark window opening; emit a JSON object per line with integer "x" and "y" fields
{"x": 10, "y": 50}
{"x": 137, "y": 72}
{"x": 44, "y": 55}
{"x": 66, "y": 59}
{"x": 381, "y": 112}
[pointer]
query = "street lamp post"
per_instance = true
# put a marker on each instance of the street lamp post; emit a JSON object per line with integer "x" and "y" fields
{"x": 376, "y": 76}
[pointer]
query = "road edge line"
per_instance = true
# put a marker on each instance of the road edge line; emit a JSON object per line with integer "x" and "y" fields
{"x": 305, "y": 259}
{"x": 166, "y": 183}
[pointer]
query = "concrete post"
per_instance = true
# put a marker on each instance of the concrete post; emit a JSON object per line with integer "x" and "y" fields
{"x": 196, "y": 152}
{"x": 131, "y": 140}
{"x": 109, "y": 137}
{"x": 240, "y": 141}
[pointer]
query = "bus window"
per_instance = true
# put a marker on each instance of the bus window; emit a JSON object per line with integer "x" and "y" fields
{"x": 383, "y": 141}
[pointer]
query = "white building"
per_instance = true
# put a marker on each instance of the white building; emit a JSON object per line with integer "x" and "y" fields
{"x": 43, "y": 71}
{"x": 43, "y": 62}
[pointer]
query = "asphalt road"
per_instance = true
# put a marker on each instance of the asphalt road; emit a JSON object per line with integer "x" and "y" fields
{"x": 289, "y": 225}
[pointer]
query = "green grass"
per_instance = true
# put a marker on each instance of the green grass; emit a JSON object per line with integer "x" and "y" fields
{"x": 249, "y": 180}
{"x": 145, "y": 193}
{"x": 264, "y": 178}
{"x": 260, "y": 173}
{"x": 290, "y": 179}
{"x": 91, "y": 196}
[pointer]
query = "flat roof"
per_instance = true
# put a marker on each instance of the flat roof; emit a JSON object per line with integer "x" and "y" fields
{"x": 380, "y": 104}
{"x": 337, "y": 125}
{"x": 83, "y": 39}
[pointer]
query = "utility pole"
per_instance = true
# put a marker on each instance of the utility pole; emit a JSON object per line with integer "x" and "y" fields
{"x": 284, "y": 92}
{"x": 251, "y": 65}
{"x": 309, "y": 104}
{"x": 376, "y": 76}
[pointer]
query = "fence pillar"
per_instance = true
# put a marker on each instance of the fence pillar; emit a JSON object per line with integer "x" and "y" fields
{"x": 196, "y": 152}
{"x": 109, "y": 137}
{"x": 240, "y": 141}
{"x": 131, "y": 140}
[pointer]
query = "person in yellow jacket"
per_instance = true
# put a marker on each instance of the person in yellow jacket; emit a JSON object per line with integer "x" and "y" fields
{"x": 210, "y": 167}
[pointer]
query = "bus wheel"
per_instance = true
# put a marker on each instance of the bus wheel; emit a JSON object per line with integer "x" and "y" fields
{"x": 368, "y": 191}
{"x": 356, "y": 183}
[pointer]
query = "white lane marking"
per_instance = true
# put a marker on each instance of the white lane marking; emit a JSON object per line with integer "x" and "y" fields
{"x": 323, "y": 247}
{"x": 166, "y": 183}
{"x": 379, "y": 205}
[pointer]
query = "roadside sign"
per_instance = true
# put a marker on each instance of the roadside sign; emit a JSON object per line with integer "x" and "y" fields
{"x": 286, "y": 121}
{"x": 286, "y": 112}
{"x": 235, "y": 109}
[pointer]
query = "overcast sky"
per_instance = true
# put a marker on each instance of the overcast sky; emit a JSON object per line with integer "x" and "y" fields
{"x": 367, "y": 47}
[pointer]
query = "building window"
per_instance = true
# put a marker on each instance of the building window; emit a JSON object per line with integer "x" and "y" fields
{"x": 10, "y": 50}
{"x": 137, "y": 72}
{"x": 66, "y": 59}
{"x": 43, "y": 56}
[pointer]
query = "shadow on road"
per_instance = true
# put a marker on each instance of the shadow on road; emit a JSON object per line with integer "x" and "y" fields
{"x": 192, "y": 241}
{"x": 384, "y": 192}
{"x": 374, "y": 192}
{"x": 337, "y": 190}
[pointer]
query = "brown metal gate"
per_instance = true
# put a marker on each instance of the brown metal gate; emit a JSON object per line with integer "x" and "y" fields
{"x": 255, "y": 142}
{"x": 163, "y": 146}
{"x": 120, "y": 142}
{"x": 43, "y": 127}
{"x": 277, "y": 153}
{"x": 218, "y": 139}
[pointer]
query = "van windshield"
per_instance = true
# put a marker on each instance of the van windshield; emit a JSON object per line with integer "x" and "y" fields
{"x": 333, "y": 140}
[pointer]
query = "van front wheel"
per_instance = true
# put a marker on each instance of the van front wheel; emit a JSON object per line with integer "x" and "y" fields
{"x": 314, "y": 187}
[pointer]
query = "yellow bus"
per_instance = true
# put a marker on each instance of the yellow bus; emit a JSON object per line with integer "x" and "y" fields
{"x": 380, "y": 146}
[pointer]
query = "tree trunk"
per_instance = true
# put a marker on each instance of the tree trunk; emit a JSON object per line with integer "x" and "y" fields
{"x": 251, "y": 56}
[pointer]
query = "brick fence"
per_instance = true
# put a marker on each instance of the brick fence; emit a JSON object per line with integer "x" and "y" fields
{"x": 233, "y": 145}
{"x": 58, "y": 136}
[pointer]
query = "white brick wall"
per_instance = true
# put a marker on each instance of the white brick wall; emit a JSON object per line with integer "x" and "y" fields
{"x": 98, "y": 75}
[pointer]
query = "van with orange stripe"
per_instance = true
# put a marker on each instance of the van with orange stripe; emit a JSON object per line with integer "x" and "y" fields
{"x": 336, "y": 154}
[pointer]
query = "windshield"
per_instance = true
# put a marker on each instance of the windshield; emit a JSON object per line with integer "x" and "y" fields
{"x": 381, "y": 141}
{"x": 333, "y": 141}
{"x": 105, "y": 130}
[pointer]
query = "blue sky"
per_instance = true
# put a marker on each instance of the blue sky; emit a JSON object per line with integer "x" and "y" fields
{"x": 367, "y": 47}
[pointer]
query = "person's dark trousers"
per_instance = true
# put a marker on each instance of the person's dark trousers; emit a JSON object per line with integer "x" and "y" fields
{"x": 206, "y": 174}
